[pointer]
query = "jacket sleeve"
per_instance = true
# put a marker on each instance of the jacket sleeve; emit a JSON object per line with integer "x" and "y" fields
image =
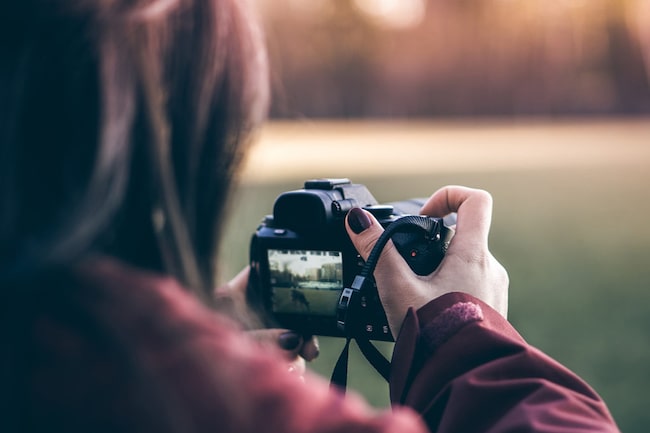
{"x": 462, "y": 366}
{"x": 223, "y": 381}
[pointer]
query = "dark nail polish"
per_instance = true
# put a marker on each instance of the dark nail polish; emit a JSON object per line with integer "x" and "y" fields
{"x": 289, "y": 340}
{"x": 358, "y": 220}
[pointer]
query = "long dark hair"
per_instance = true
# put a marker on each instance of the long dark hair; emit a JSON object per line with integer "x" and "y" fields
{"x": 121, "y": 128}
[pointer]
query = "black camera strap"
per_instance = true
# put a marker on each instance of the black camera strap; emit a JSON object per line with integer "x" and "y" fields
{"x": 372, "y": 354}
{"x": 359, "y": 288}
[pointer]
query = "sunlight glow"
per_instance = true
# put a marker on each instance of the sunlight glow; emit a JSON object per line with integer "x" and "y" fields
{"x": 295, "y": 150}
{"x": 393, "y": 13}
{"x": 292, "y": 7}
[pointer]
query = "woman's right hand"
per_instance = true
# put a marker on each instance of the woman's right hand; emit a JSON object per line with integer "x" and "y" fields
{"x": 467, "y": 267}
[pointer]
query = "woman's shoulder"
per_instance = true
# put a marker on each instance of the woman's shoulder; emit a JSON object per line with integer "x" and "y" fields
{"x": 144, "y": 303}
{"x": 88, "y": 344}
{"x": 104, "y": 305}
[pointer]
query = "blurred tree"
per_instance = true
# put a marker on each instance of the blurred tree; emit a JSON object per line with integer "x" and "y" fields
{"x": 626, "y": 60}
{"x": 321, "y": 59}
{"x": 493, "y": 57}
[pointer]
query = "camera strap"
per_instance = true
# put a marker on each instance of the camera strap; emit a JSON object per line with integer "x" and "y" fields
{"x": 371, "y": 353}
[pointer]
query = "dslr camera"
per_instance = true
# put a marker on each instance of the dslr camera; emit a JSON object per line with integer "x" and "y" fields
{"x": 303, "y": 262}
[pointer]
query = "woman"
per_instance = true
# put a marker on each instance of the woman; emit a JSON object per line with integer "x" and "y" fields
{"x": 123, "y": 124}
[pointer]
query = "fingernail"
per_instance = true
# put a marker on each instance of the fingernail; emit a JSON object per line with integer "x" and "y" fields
{"x": 289, "y": 340}
{"x": 358, "y": 220}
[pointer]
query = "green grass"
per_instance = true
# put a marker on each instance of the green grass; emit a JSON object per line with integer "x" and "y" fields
{"x": 320, "y": 301}
{"x": 576, "y": 243}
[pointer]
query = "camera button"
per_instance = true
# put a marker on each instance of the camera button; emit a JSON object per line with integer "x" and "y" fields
{"x": 380, "y": 211}
{"x": 279, "y": 232}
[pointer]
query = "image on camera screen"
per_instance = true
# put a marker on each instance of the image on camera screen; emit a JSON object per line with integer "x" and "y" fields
{"x": 305, "y": 281}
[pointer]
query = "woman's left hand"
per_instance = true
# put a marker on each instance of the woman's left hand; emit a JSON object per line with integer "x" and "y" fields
{"x": 295, "y": 348}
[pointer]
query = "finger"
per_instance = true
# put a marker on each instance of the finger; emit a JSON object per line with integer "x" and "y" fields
{"x": 292, "y": 344}
{"x": 310, "y": 348}
{"x": 391, "y": 270}
{"x": 236, "y": 286}
{"x": 288, "y": 341}
{"x": 298, "y": 367}
{"x": 474, "y": 209}
{"x": 364, "y": 230}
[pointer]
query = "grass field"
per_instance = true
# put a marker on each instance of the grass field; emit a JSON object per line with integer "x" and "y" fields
{"x": 321, "y": 302}
{"x": 571, "y": 225}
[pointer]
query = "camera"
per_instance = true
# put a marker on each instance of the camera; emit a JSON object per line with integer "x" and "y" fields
{"x": 303, "y": 262}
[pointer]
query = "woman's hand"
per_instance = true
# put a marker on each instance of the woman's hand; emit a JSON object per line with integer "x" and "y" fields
{"x": 467, "y": 267}
{"x": 295, "y": 348}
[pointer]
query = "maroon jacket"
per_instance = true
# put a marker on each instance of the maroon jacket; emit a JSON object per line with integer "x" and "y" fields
{"x": 109, "y": 348}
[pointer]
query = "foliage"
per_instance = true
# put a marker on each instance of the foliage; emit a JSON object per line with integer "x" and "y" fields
{"x": 331, "y": 59}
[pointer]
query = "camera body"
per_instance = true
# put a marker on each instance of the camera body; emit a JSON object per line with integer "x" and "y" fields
{"x": 302, "y": 258}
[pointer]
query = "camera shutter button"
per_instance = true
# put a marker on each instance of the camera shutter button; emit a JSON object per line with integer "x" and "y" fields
{"x": 380, "y": 211}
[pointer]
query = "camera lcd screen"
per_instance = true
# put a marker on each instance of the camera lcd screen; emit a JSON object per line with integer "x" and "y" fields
{"x": 305, "y": 281}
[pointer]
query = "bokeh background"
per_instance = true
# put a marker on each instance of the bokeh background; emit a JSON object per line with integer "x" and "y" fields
{"x": 546, "y": 104}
